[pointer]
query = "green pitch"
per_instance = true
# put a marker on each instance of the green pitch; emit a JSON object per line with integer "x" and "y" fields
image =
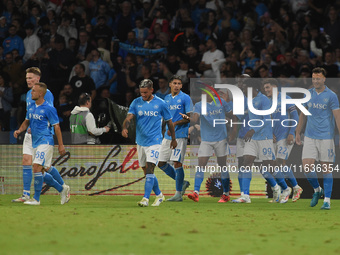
{"x": 115, "y": 225}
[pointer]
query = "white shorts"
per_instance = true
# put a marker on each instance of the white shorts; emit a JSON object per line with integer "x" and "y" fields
{"x": 282, "y": 149}
{"x": 43, "y": 155}
{"x": 176, "y": 155}
{"x": 239, "y": 147}
{"x": 261, "y": 149}
{"x": 27, "y": 147}
{"x": 148, "y": 154}
{"x": 320, "y": 150}
{"x": 207, "y": 149}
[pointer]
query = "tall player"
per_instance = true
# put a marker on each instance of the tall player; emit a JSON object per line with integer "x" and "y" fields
{"x": 41, "y": 116}
{"x": 213, "y": 140}
{"x": 149, "y": 111}
{"x": 319, "y": 134}
{"x": 33, "y": 75}
{"x": 283, "y": 136}
{"x": 178, "y": 103}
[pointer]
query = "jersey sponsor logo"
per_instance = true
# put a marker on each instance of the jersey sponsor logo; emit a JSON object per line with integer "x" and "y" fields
{"x": 175, "y": 107}
{"x": 36, "y": 116}
{"x": 215, "y": 112}
{"x": 148, "y": 113}
{"x": 319, "y": 106}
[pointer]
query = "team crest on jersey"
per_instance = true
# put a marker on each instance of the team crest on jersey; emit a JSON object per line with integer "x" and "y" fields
{"x": 42, "y": 111}
{"x": 309, "y": 104}
{"x": 325, "y": 100}
{"x": 179, "y": 100}
{"x": 140, "y": 113}
{"x": 156, "y": 106}
{"x": 140, "y": 105}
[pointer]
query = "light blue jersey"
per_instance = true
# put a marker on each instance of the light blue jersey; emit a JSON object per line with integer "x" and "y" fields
{"x": 181, "y": 103}
{"x": 321, "y": 124}
{"x": 42, "y": 118}
{"x": 279, "y": 130}
{"x": 244, "y": 118}
{"x": 149, "y": 120}
{"x": 209, "y": 133}
{"x": 265, "y": 131}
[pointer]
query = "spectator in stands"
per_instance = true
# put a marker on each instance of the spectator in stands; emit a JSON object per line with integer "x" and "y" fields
{"x": 6, "y": 99}
{"x": 160, "y": 18}
{"x": 249, "y": 56}
{"x": 182, "y": 72}
{"x": 132, "y": 41}
{"x": 84, "y": 46}
{"x": 183, "y": 40}
{"x": 61, "y": 63}
{"x": 163, "y": 87}
{"x": 70, "y": 9}
{"x": 40, "y": 59}
{"x": 64, "y": 108}
{"x": 67, "y": 30}
{"x": 31, "y": 42}
{"x": 329, "y": 65}
{"x": 141, "y": 32}
{"x": 3, "y": 28}
{"x": 173, "y": 63}
{"x": 102, "y": 12}
{"x": 101, "y": 30}
{"x": 43, "y": 31}
{"x": 192, "y": 58}
{"x": 211, "y": 59}
{"x": 82, "y": 83}
{"x": 99, "y": 69}
{"x": 13, "y": 41}
{"x": 164, "y": 69}
{"x": 125, "y": 21}
{"x": 104, "y": 52}
{"x": 332, "y": 26}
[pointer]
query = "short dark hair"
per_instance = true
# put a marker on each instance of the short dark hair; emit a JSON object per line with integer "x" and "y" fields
{"x": 83, "y": 98}
{"x": 319, "y": 70}
{"x": 175, "y": 77}
{"x": 271, "y": 81}
{"x": 82, "y": 66}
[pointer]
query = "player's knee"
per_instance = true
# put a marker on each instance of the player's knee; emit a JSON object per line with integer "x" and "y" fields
{"x": 37, "y": 168}
{"x": 177, "y": 164}
{"x": 27, "y": 160}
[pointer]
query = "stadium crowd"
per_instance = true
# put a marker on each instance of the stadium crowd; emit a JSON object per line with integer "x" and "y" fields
{"x": 105, "y": 48}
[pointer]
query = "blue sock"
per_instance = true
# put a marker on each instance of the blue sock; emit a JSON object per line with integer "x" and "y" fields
{"x": 312, "y": 177}
{"x": 155, "y": 187}
{"x": 240, "y": 180}
{"x": 225, "y": 178}
{"x": 27, "y": 179}
{"x": 288, "y": 174}
{"x": 199, "y": 176}
{"x": 149, "y": 182}
{"x": 179, "y": 178}
{"x": 280, "y": 179}
{"x": 56, "y": 175}
{"x": 269, "y": 178}
{"x": 38, "y": 183}
{"x": 169, "y": 170}
{"x": 50, "y": 181}
{"x": 246, "y": 182}
{"x": 328, "y": 184}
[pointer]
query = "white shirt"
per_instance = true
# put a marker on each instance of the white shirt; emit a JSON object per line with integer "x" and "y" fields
{"x": 31, "y": 44}
{"x": 210, "y": 57}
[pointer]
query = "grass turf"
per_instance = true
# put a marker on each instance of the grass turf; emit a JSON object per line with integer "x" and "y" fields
{"x": 116, "y": 225}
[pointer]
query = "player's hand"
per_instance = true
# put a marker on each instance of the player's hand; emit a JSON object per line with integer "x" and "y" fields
{"x": 16, "y": 133}
{"x": 29, "y": 131}
{"x": 249, "y": 135}
{"x": 298, "y": 139}
{"x": 184, "y": 116}
{"x": 173, "y": 144}
{"x": 125, "y": 133}
{"x": 107, "y": 129}
{"x": 61, "y": 150}
{"x": 290, "y": 139}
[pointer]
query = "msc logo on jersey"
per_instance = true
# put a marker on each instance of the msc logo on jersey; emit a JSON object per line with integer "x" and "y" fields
{"x": 215, "y": 112}
{"x": 148, "y": 113}
{"x": 35, "y": 116}
{"x": 175, "y": 107}
{"x": 319, "y": 106}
